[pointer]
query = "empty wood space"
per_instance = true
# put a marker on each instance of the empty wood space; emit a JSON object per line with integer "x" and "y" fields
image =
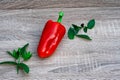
{"x": 40, "y": 4}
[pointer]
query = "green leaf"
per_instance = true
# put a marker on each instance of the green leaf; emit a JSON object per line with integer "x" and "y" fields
{"x": 27, "y": 56}
{"x": 91, "y": 24}
{"x": 85, "y": 29}
{"x": 76, "y": 28}
{"x": 84, "y": 36}
{"x": 24, "y": 67}
{"x": 71, "y": 33}
{"x": 8, "y": 62}
{"x": 19, "y": 52}
{"x": 10, "y": 54}
{"x": 13, "y": 54}
{"x": 23, "y": 49}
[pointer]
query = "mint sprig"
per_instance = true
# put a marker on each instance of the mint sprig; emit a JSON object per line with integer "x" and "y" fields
{"x": 20, "y": 53}
{"x": 74, "y": 29}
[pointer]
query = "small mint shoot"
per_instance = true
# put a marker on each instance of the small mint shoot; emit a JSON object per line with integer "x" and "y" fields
{"x": 74, "y": 30}
{"x": 18, "y": 55}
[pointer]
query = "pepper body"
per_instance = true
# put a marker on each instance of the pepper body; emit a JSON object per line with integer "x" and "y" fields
{"x": 52, "y": 34}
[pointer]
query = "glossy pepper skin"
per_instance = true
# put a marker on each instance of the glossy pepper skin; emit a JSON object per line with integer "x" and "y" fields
{"x": 52, "y": 34}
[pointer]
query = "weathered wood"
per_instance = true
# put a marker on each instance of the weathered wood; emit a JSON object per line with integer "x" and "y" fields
{"x": 76, "y": 59}
{"x": 40, "y": 4}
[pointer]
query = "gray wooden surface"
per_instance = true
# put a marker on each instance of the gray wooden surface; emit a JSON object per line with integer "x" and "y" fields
{"x": 76, "y": 59}
{"x": 39, "y": 4}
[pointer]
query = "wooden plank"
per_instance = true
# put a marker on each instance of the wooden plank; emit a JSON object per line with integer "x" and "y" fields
{"x": 40, "y": 4}
{"x": 77, "y": 59}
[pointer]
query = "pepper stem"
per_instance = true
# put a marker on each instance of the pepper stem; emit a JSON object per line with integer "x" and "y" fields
{"x": 61, "y": 14}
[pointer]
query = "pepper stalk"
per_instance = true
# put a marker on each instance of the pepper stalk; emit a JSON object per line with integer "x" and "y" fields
{"x": 61, "y": 14}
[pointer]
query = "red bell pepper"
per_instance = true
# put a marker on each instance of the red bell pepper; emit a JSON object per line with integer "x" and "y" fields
{"x": 51, "y": 36}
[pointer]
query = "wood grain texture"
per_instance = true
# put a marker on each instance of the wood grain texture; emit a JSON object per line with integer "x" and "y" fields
{"x": 40, "y": 4}
{"x": 76, "y": 59}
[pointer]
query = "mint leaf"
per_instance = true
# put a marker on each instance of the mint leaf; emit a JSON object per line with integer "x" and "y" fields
{"x": 84, "y": 36}
{"x": 71, "y": 33}
{"x": 91, "y": 24}
{"x": 8, "y": 62}
{"x": 10, "y": 54}
{"x": 85, "y": 29}
{"x": 23, "y": 49}
{"x": 27, "y": 56}
{"x": 13, "y": 54}
{"x": 24, "y": 67}
{"x": 76, "y": 28}
{"x": 18, "y": 52}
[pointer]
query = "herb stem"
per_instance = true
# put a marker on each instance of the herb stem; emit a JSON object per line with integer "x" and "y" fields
{"x": 18, "y": 59}
{"x": 18, "y": 64}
